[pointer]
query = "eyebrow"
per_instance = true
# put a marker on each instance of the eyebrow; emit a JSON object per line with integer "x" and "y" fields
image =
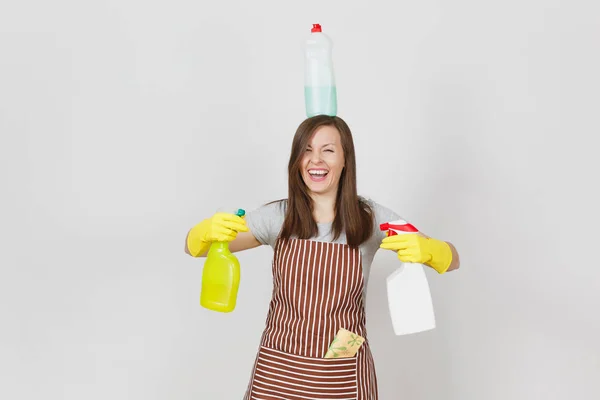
{"x": 326, "y": 144}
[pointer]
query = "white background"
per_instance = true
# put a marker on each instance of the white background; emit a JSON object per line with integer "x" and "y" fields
{"x": 123, "y": 123}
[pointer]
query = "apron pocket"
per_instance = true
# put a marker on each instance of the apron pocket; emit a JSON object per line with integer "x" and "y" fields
{"x": 281, "y": 375}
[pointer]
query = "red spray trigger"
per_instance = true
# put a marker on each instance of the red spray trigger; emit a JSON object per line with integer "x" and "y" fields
{"x": 396, "y": 227}
{"x": 385, "y": 227}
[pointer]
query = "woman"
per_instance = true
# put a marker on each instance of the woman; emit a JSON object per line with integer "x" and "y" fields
{"x": 324, "y": 238}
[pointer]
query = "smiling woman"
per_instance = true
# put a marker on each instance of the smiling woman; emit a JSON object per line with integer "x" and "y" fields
{"x": 324, "y": 237}
{"x": 328, "y": 196}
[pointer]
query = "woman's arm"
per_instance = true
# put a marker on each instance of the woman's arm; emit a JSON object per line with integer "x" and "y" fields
{"x": 221, "y": 227}
{"x": 455, "y": 264}
{"x": 420, "y": 248}
{"x": 243, "y": 241}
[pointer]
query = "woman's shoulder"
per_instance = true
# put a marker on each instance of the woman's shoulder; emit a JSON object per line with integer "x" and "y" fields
{"x": 379, "y": 209}
{"x": 381, "y": 213}
{"x": 278, "y": 206}
{"x": 265, "y": 221}
{"x": 274, "y": 208}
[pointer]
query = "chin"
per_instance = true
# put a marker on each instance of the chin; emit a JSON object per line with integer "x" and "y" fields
{"x": 319, "y": 189}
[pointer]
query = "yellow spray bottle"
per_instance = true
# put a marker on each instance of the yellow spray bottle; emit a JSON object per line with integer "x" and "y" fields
{"x": 220, "y": 277}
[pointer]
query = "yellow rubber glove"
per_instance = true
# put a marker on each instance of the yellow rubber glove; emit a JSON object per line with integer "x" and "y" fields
{"x": 416, "y": 248}
{"x": 221, "y": 227}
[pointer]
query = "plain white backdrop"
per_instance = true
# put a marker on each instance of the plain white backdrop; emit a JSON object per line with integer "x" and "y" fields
{"x": 123, "y": 123}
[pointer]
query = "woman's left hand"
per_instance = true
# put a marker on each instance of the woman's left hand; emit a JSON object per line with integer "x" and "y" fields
{"x": 418, "y": 248}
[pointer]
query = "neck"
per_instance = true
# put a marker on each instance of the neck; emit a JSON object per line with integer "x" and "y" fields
{"x": 323, "y": 207}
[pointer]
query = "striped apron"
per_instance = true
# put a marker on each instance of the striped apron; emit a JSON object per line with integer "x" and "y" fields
{"x": 317, "y": 289}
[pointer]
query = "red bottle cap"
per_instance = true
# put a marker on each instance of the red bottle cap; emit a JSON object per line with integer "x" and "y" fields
{"x": 316, "y": 28}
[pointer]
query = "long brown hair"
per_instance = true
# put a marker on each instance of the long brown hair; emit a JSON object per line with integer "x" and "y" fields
{"x": 353, "y": 216}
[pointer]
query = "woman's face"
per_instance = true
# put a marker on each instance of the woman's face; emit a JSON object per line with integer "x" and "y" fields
{"x": 323, "y": 161}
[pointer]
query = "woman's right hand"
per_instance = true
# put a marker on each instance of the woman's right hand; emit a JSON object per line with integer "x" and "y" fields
{"x": 221, "y": 227}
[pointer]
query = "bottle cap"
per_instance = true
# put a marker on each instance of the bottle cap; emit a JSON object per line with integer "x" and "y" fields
{"x": 240, "y": 212}
{"x": 316, "y": 28}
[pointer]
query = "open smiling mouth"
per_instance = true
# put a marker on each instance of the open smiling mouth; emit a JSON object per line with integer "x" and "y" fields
{"x": 317, "y": 175}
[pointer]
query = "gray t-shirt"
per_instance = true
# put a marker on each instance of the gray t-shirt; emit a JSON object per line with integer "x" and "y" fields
{"x": 266, "y": 221}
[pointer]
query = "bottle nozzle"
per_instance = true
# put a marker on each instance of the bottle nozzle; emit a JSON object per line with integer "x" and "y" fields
{"x": 316, "y": 28}
{"x": 240, "y": 212}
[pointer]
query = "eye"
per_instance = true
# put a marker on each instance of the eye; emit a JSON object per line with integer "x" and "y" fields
{"x": 329, "y": 150}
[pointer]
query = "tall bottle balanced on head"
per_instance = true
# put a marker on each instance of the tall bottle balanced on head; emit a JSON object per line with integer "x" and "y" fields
{"x": 320, "y": 93}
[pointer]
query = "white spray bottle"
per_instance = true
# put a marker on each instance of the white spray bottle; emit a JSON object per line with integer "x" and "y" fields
{"x": 409, "y": 298}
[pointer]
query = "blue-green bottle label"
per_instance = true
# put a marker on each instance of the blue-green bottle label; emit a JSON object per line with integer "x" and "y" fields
{"x": 320, "y": 101}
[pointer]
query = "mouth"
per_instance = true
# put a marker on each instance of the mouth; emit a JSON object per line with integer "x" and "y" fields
{"x": 317, "y": 174}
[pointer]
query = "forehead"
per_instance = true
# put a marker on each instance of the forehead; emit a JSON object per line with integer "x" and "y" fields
{"x": 324, "y": 135}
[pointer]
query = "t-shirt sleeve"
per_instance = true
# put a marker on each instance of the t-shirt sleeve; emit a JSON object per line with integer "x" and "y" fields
{"x": 265, "y": 222}
{"x": 381, "y": 215}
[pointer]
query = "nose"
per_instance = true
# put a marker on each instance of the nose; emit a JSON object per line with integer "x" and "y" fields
{"x": 315, "y": 157}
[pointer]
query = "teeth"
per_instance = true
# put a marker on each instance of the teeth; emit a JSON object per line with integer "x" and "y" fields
{"x": 317, "y": 172}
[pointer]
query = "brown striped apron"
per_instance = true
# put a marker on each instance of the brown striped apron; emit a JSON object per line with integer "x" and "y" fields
{"x": 317, "y": 289}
